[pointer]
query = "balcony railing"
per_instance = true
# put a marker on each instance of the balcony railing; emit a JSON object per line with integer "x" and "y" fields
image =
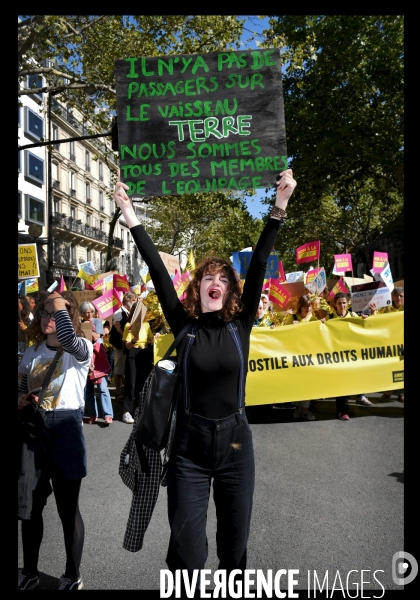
{"x": 75, "y": 226}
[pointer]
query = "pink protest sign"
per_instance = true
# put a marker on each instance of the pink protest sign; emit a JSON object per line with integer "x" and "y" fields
{"x": 379, "y": 261}
{"x": 105, "y": 284}
{"x": 310, "y": 275}
{"x": 308, "y": 252}
{"x": 180, "y": 284}
{"x": 107, "y": 304}
{"x": 282, "y": 276}
{"x": 342, "y": 263}
{"x": 340, "y": 286}
{"x": 121, "y": 283}
{"x": 278, "y": 293}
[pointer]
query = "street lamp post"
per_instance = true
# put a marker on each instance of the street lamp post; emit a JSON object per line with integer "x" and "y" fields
{"x": 50, "y": 246}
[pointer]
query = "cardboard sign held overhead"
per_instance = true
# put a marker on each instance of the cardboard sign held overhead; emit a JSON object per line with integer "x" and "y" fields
{"x": 200, "y": 122}
{"x": 138, "y": 318}
{"x": 171, "y": 263}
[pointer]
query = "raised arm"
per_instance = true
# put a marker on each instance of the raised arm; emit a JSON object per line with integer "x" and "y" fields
{"x": 171, "y": 306}
{"x": 258, "y": 265}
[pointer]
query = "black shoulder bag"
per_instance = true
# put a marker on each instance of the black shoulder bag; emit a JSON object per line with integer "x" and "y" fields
{"x": 162, "y": 391}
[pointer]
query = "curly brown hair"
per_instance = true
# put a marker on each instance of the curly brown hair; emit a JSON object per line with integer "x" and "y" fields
{"x": 212, "y": 265}
{"x": 35, "y": 333}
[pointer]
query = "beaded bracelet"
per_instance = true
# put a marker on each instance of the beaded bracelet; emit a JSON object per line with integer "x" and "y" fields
{"x": 278, "y": 213}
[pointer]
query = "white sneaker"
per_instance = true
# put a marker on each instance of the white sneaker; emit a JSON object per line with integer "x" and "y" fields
{"x": 307, "y": 415}
{"x": 127, "y": 418}
{"x": 363, "y": 400}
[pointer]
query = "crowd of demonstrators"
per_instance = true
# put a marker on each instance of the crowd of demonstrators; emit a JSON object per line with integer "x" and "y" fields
{"x": 32, "y": 302}
{"x": 87, "y": 312}
{"x": 56, "y": 460}
{"x": 303, "y": 314}
{"x": 138, "y": 364}
{"x": 120, "y": 318}
{"x": 341, "y": 311}
{"x": 211, "y": 414}
{"x": 397, "y": 305}
{"x": 109, "y": 348}
{"x": 262, "y": 318}
{"x": 25, "y": 317}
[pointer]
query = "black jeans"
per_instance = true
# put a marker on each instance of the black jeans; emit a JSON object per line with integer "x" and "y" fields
{"x": 138, "y": 364}
{"x": 206, "y": 449}
{"x": 341, "y": 402}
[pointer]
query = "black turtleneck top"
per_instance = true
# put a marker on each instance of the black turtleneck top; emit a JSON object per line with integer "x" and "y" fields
{"x": 213, "y": 363}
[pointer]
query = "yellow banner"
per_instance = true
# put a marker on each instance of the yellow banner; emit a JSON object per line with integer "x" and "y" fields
{"x": 322, "y": 360}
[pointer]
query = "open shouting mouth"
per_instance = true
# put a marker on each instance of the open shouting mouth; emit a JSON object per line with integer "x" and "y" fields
{"x": 215, "y": 294}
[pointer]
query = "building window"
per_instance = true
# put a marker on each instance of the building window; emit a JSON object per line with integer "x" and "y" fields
{"x": 56, "y": 252}
{"x": 101, "y": 201}
{"x": 72, "y": 212}
{"x": 34, "y": 167}
{"x": 73, "y": 254}
{"x": 54, "y": 132}
{"x": 87, "y": 190}
{"x": 35, "y": 210}
{"x": 19, "y": 161}
{"x": 88, "y": 255}
{"x": 128, "y": 240}
{"x": 19, "y": 111}
{"x": 112, "y": 206}
{"x": 35, "y": 81}
{"x": 102, "y": 261}
{"x": 72, "y": 152}
{"x": 87, "y": 161}
{"x": 34, "y": 124}
{"x": 136, "y": 252}
{"x": 101, "y": 225}
{"x": 101, "y": 171}
{"x": 56, "y": 205}
{"x": 54, "y": 173}
{"x": 88, "y": 220}
{"x": 20, "y": 210}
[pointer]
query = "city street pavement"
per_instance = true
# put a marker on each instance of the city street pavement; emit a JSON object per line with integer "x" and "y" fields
{"x": 328, "y": 497}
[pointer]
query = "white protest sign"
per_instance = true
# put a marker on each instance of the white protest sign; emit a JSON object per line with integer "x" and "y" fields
{"x": 321, "y": 281}
{"x": 363, "y": 294}
{"x": 294, "y": 277}
{"x": 386, "y": 276}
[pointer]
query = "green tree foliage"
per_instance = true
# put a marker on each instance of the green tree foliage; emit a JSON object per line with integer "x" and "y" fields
{"x": 214, "y": 223}
{"x": 343, "y": 94}
{"x": 83, "y": 50}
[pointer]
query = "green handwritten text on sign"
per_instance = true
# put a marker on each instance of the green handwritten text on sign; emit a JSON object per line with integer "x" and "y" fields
{"x": 200, "y": 122}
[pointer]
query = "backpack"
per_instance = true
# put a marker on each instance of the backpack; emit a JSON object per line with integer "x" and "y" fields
{"x": 115, "y": 337}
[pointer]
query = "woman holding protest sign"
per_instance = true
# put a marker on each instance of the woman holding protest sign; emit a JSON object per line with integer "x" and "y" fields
{"x": 213, "y": 440}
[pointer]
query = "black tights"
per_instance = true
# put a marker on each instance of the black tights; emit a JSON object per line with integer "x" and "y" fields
{"x": 67, "y": 499}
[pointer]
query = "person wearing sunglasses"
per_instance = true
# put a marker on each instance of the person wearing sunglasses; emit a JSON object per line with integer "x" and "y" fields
{"x": 54, "y": 453}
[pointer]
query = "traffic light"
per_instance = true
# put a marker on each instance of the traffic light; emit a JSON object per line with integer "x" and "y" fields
{"x": 114, "y": 137}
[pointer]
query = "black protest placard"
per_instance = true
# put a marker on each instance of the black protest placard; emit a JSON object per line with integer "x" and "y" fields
{"x": 200, "y": 122}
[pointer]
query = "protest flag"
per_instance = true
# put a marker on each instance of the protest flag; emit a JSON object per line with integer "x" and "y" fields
{"x": 190, "y": 266}
{"x": 308, "y": 252}
{"x": 63, "y": 287}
